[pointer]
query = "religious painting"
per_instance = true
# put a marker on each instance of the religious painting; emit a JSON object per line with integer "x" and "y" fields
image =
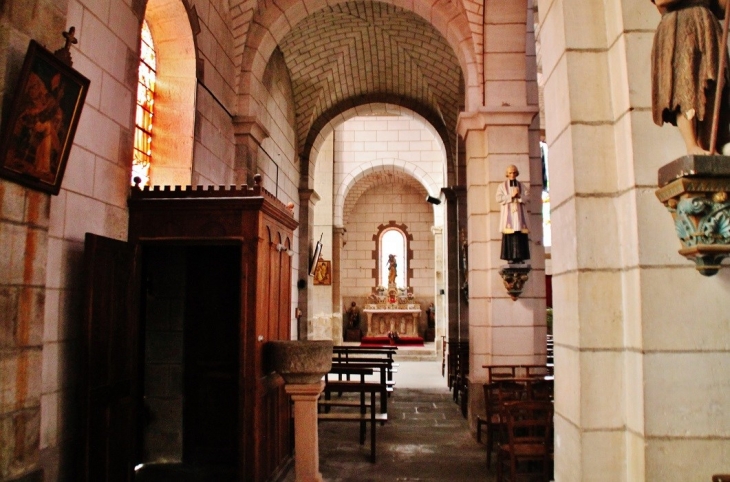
{"x": 323, "y": 273}
{"x": 38, "y": 134}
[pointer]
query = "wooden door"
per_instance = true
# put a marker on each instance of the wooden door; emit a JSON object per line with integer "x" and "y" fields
{"x": 110, "y": 350}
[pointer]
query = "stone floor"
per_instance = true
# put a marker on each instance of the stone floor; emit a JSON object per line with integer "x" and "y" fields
{"x": 425, "y": 439}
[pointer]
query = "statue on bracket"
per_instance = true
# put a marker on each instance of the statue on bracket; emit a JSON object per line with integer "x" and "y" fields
{"x": 685, "y": 61}
{"x": 512, "y": 195}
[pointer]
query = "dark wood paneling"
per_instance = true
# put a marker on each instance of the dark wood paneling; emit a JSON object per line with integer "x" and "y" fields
{"x": 110, "y": 378}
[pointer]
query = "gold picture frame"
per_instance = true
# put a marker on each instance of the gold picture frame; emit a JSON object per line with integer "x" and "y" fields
{"x": 323, "y": 273}
{"x": 38, "y": 134}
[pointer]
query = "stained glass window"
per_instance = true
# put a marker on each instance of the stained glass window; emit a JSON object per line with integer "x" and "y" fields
{"x": 145, "y": 108}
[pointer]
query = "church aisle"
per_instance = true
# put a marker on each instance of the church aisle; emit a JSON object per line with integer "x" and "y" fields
{"x": 426, "y": 437}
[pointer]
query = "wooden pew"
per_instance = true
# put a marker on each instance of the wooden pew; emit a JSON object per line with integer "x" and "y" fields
{"x": 383, "y": 366}
{"x": 326, "y": 401}
{"x": 346, "y": 353}
{"x": 362, "y": 416}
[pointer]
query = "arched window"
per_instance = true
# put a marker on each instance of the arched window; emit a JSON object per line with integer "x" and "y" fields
{"x": 145, "y": 108}
{"x": 393, "y": 242}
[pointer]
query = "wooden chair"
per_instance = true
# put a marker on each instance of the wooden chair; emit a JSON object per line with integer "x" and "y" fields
{"x": 527, "y": 448}
{"x": 497, "y": 394}
{"x": 497, "y": 372}
{"x": 721, "y": 478}
{"x": 540, "y": 390}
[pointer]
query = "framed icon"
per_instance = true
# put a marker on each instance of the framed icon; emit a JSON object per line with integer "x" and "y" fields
{"x": 37, "y": 138}
{"x": 323, "y": 273}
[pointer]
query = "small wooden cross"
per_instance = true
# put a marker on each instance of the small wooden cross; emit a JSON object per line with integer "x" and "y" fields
{"x": 64, "y": 53}
{"x": 70, "y": 38}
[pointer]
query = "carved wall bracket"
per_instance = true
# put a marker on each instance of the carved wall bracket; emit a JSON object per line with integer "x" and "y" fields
{"x": 514, "y": 278}
{"x": 694, "y": 190}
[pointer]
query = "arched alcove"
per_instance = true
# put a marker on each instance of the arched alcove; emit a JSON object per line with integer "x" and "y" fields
{"x": 173, "y": 135}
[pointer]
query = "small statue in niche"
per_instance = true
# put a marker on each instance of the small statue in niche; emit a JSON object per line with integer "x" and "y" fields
{"x": 431, "y": 316}
{"x": 392, "y": 265}
{"x": 685, "y": 60}
{"x": 353, "y": 315}
{"x": 512, "y": 195}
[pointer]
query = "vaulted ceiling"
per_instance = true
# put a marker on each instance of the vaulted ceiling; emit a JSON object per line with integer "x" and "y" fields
{"x": 348, "y": 53}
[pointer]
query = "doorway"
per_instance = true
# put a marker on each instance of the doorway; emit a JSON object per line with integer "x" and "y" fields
{"x": 190, "y": 362}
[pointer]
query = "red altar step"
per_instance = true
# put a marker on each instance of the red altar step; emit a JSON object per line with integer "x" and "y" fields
{"x": 384, "y": 340}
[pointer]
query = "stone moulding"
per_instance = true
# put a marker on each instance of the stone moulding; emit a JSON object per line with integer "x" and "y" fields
{"x": 694, "y": 189}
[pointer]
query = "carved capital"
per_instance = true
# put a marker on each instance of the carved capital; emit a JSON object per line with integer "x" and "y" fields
{"x": 698, "y": 201}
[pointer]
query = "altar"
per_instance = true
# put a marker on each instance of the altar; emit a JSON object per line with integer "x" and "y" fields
{"x": 402, "y": 321}
{"x": 392, "y": 313}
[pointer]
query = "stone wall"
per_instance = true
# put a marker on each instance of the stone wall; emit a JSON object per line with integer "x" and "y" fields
{"x": 24, "y": 238}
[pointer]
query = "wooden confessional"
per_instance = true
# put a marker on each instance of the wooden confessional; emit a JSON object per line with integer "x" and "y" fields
{"x": 175, "y": 325}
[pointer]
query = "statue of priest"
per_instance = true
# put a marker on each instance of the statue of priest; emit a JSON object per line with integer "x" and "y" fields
{"x": 512, "y": 195}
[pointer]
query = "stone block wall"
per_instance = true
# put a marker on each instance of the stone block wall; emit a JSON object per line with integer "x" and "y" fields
{"x": 365, "y": 144}
{"x": 163, "y": 357}
{"x": 24, "y": 238}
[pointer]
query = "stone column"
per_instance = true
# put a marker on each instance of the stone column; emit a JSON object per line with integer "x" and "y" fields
{"x": 338, "y": 233}
{"x": 306, "y": 435}
{"x": 505, "y": 330}
{"x": 501, "y": 330}
{"x": 249, "y": 134}
{"x": 451, "y": 330}
{"x": 440, "y": 301}
{"x": 307, "y": 199}
{"x": 463, "y": 227}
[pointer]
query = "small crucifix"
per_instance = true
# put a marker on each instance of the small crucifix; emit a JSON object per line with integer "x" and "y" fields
{"x": 64, "y": 53}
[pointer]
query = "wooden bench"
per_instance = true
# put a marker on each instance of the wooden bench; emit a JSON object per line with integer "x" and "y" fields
{"x": 355, "y": 367}
{"x": 363, "y": 416}
{"x": 386, "y": 365}
{"x": 346, "y": 353}
{"x": 325, "y": 400}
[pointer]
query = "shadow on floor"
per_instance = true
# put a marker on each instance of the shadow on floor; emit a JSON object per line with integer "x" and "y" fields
{"x": 184, "y": 473}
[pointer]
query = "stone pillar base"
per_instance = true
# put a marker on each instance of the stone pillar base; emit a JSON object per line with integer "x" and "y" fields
{"x": 306, "y": 436}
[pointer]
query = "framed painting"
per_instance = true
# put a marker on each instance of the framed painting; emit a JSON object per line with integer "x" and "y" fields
{"x": 39, "y": 131}
{"x": 323, "y": 273}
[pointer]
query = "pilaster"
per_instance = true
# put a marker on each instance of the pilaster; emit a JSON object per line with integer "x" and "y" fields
{"x": 249, "y": 133}
{"x": 506, "y": 330}
{"x": 308, "y": 198}
{"x": 338, "y": 234}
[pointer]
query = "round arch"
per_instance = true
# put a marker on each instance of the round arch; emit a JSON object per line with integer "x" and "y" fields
{"x": 376, "y": 105}
{"x": 396, "y": 165}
